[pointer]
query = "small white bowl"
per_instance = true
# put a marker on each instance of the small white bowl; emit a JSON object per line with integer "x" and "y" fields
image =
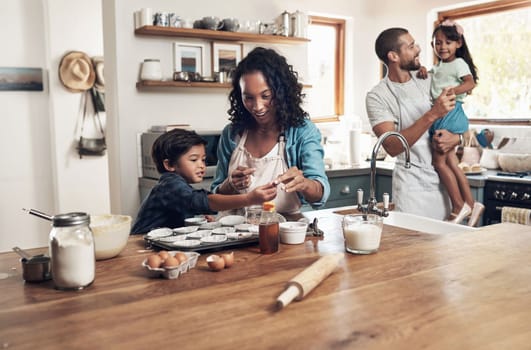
{"x": 232, "y": 220}
{"x": 293, "y": 232}
{"x": 199, "y": 234}
{"x": 293, "y": 226}
{"x": 195, "y": 221}
{"x": 223, "y": 230}
{"x": 214, "y": 239}
{"x": 171, "y": 239}
{"x": 160, "y": 232}
{"x": 210, "y": 225}
{"x": 185, "y": 229}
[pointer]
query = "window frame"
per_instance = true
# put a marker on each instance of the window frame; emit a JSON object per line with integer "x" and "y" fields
{"x": 484, "y": 9}
{"x": 339, "y": 75}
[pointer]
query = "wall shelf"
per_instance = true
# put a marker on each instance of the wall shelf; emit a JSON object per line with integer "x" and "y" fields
{"x": 187, "y": 84}
{"x": 218, "y": 35}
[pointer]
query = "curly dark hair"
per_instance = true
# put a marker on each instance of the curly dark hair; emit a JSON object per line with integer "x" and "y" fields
{"x": 281, "y": 79}
{"x": 172, "y": 145}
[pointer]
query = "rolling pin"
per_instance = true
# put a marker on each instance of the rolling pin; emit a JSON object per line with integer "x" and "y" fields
{"x": 302, "y": 284}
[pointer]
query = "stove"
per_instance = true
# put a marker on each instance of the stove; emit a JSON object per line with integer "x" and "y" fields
{"x": 501, "y": 190}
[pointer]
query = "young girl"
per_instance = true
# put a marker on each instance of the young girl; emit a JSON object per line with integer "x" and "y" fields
{"x": 456, "y": 69}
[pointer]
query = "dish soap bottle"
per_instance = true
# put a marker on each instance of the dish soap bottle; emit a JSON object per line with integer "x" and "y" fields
{"x": 268, "y": 236}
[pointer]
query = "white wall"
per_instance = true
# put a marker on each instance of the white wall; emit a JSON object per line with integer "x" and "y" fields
{"x": 134, "y": 111}
{"x": 40, "y": 168}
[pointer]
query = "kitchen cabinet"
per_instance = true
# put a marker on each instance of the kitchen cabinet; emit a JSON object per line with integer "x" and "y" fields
{"x": 212, "y": 35}
{"x": 343, "y": 190}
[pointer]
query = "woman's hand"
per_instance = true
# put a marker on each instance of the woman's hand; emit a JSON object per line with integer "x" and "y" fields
{"x": 240, "y": 178}
{"x": 293, "y": 180}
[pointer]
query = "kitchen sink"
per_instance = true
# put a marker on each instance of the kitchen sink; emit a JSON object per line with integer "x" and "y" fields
{"x": 403, "y": 220}
{"x": 423, "y": 224}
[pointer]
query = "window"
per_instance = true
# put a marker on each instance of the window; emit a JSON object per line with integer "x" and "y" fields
{"x": 326, "y": 67}
{"x": 498, "y": 36}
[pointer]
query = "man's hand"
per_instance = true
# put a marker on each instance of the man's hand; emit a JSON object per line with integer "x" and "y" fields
{"x": 444, "y": 103}
{"x": 444, "y": 141}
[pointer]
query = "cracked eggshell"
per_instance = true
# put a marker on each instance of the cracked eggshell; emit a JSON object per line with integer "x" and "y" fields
{"x": 215, "y": 262}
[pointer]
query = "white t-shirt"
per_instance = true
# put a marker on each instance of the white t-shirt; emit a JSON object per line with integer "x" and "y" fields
{"x": 447, "y": 74}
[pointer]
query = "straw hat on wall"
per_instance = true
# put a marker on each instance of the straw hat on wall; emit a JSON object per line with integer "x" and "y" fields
{"x": 76, "y": 71}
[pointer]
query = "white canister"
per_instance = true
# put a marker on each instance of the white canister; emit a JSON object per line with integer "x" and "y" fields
{"x": 355, "y": 146}
{"x": 72, "y": 251}
{"x": 146, "y": 17}
{"x": 299, "y": 24}
{"x": 151, "y": 69}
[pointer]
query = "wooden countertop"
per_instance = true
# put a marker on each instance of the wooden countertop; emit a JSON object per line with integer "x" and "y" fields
{"x": 452, "y": 291}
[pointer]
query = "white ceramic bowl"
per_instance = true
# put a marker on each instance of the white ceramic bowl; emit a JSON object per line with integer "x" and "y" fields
{"x": 292, "y": 232}
{"x": 514, "y": 161}
{"x": 111, "y": 233}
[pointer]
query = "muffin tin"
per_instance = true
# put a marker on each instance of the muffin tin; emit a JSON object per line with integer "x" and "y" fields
{"x": 198, "y": 239}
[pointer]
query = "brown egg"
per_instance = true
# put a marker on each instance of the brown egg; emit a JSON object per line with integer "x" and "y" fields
{"x": 228, "y": 258}
{"x": 181, "y": 257}
{"x": 171, "y": 262}
{"x": 154, "y": 261}
{"x": 163, "y": 254}
{"x": 215, "y": 262}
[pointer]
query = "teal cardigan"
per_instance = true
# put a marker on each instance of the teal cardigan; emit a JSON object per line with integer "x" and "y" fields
{"x": 303, "y": 149}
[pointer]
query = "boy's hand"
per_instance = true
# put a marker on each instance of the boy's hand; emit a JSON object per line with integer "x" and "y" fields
{"x": 240, "y": 178}
{"x": 263, "y": 194}
{"x": 422, "y": 73}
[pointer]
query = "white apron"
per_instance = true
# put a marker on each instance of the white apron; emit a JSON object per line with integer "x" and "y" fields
{"x": 416, "y": 190}
{"x": 267, "y": 168}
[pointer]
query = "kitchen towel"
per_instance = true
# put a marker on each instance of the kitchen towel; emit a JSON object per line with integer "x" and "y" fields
{"x": 516, "y": 215}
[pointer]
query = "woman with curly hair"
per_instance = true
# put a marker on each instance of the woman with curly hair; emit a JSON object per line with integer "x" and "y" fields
{"x": 270, "y": 137}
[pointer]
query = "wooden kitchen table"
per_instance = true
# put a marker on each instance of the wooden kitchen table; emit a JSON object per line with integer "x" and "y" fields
{"x": 454, "y": 291}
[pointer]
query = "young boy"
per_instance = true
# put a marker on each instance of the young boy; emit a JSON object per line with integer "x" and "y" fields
{"x": 180, "y": 158}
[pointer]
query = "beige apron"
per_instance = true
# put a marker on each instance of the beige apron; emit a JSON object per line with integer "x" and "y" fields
{"x": 416, "y": 190}
{"x": 267, "y": 168}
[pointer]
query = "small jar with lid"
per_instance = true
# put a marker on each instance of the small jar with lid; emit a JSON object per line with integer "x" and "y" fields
{"x": 268, "y": 229}
{"x": 72, "y": 251}
{"x": 151, "y": 69}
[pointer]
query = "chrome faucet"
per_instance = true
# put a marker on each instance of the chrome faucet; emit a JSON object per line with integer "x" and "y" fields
{"x": 372, "y": 203}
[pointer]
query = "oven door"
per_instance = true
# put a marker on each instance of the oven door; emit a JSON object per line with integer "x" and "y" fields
{"x": 499, "y": 194}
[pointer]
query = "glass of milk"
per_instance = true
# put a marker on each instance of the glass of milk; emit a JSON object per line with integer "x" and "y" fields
{"x": 362, "y": 233}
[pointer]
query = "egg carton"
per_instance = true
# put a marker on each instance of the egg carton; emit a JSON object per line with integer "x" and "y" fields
{"x": 172, "y": 272}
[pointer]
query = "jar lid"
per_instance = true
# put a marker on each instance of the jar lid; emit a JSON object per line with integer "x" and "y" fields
{"x": 152, "y": 60}
{"x": 268, "y": 206}
{"x": 71, "y": 219}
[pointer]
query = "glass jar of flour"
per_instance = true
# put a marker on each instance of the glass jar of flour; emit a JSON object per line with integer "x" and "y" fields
{"x": 72, "y": 251}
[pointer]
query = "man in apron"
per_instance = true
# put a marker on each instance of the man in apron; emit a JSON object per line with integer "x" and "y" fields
{"x": 402, "y": 102}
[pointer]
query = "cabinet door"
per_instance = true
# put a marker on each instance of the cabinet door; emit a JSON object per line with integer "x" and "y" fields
{"x": 343, "y": 190}
{"x": 383, "y": 185}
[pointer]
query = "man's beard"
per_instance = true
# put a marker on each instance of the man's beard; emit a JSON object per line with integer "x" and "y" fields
{"x": 411, "y": 65}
